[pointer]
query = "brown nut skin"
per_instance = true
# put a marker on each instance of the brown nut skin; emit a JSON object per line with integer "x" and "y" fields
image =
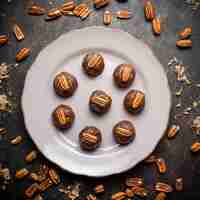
{"x": 65, "y": 84}
{"x": 90, "y": 138}
{"x": 124, "y": 75}
{"x": 93, "y": 64}
{"x": 63, "y": 117}
{"x": 134, "y": 101}
{"x": 100, "y": 102}
{"x": 124, "y": 132}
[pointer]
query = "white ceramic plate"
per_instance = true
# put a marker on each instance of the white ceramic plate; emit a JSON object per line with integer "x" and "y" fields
{"x": 66, "y": 54}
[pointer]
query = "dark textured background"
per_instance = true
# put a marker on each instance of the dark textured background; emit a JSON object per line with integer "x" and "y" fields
{"x": 175, "y": 15}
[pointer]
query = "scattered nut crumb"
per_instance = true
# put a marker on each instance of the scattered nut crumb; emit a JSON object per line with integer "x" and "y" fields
{"x": 178, "y": 105}
{"x": 99, "y": 189}
{"x": 129, "y": 193}
{"x": 118, "y": 195}
{"x": 179, "y": 92}
{"x": 161, "y": 164}
{"x": 5, "y": 104}
{"x": 31, "y": 156}
{"x": 91, "y": 197}
{"x": 21, "y": 173}
{"x": 196, "y": 125}
{"x": 150, "y": 159}
{"x": 4, "y": 74}
{"x": 72, "y": 192}
{"x": 179, "y": 69}
{"x": 172, "y": 131}
{"x": 54, "y": 176}
{"x": 197, "y": 85}
{"x": 3, "y": 131}
{"x": 44, "y": 185}
{"x": 179, "y": 184}
{"x": 38, "y": 197}
{"x": 31, "y": 190}
{"x": 16, "y": 140}
{"x": 5, "y": 176}
{"x": 195, "y": 104}
{"x": 195, "y": 147}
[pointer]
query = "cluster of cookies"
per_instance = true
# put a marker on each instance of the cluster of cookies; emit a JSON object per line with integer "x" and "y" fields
{"x": 65, "y": 85}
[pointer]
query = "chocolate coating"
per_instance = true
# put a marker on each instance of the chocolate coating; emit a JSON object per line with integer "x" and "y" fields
{"x": 124, "y": 132}
{"x": 63, "y": 117}
{"x": 124, "y": 75}
{"x": 90, "y": 138}
{"x": 65, "y": 84}
{"x": 93, "y": 64}
{"x": 100, "y": 102}
{"x": 134, "y": 101}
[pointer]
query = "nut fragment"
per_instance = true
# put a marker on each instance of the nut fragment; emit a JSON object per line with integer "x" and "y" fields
{"x": 100, "y": 3}
{"x": 66, "y": 7}
{"x": 38, "y": 197}
{"x": 196, "y": 125}
{"x": 118, "y": 196}
{"x": 54, "y": 176}
{"x": 99, "y": 189}
{"x": 139, "y": 191}
{"x": 150, "y": 159}
{"x": 90, "y": 197}
{"x": 162, "y": 167}
{"x": 3, "y": 131}
{"x": 16, "y": 140}
{"x": 156, "y": 25}
{"x": 22, "y": 54}
{"x": 68, "y": 13}
{"x": 135, "y": 181}
{"x": 179, "y": 184}
{"x": 163, "y": 187}
{"x": 36, "y": 10}
{"x": 5, "y": 177}
{"x": 172, "y": 131}
{"x": 45, "y": 184}
{"x": 149, "y": 11}
{"x": 107, "y": 17}
{"x": 78, "y": 9}
{"x": 41, "y": 175}
{"x": 35, "y": 177}
{"x": 129, "y": 193}
{"x": 3, "y": 39}
{"x": 185, "y": 33}
{"x": 18, "y": 32}
{"x": 161, "y": 196}
{"x": 186, "y": 43}
{"x": 84, "y": 13}
{"x": 31, "y": 156}
{"x": 195, "y": 147}
{"x": 31, "y": 190}
{"x": 124, "y": 14}
{"x": 53, "y": 14}
{"x": 21, "y": 173}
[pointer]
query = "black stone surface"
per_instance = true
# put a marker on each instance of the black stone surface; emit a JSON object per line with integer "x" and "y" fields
{"x": 180, "y": 162}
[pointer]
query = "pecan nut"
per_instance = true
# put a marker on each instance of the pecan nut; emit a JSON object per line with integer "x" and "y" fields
{"x": 22, "y": 54}
{"x": 149, "y": 11}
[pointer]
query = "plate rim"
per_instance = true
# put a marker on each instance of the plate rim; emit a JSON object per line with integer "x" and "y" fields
{"x": 45, "y": 153}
